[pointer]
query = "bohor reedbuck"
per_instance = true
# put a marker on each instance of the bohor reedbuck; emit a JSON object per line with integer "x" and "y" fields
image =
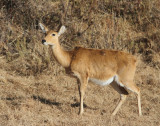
{"x": 99, "y": 66}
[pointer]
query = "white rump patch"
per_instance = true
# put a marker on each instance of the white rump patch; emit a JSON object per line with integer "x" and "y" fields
{"x": 102, "y": 82}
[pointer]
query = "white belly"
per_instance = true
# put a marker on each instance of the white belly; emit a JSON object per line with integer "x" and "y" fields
{"x": 102, "y": 82}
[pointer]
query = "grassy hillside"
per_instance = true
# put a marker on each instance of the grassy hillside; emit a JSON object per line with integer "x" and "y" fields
{"x": 34, "y": 89}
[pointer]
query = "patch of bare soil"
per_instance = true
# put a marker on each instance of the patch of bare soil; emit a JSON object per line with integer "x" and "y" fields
{"x": 47, "y": 100}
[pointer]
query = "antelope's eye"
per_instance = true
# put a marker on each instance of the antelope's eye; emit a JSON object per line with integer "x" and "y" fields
{"x": 53, "y": 34}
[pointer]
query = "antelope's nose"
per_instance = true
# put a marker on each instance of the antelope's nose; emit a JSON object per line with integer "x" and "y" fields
{"x": 43, "y": 41}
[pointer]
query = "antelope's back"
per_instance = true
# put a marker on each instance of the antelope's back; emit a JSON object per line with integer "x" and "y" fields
{"x": 96, "y": 63}
{"x": 101, "y": 63}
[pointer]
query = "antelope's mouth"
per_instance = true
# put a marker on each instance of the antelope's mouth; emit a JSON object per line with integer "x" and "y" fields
{"x": 43, "y": 41}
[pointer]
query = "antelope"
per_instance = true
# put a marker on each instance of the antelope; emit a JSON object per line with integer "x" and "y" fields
{"x": 100, "y": 66}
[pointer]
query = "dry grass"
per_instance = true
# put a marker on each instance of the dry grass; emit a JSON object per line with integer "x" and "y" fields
{"x": 34, "y": 89}
{"x": 54, "y": 100}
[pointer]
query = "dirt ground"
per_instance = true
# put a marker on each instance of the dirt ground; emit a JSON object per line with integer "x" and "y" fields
{"x": 48, "y": 100}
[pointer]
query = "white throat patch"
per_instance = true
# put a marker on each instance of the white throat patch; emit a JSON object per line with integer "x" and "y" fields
{"x": 47, "y": 43}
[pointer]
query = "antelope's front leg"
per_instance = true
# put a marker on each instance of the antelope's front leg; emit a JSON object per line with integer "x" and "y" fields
{"x": 83, "y": 86}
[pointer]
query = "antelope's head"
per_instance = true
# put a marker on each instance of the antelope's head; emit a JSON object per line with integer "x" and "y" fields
{"x": 51, "y": 37}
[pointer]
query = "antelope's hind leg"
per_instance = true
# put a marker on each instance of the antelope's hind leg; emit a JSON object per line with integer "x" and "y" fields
{"x": 123, "y": 95}
{"x": 132, "y": 86}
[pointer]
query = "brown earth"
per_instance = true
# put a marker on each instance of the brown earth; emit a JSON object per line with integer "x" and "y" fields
{"x": 54, "y": 100}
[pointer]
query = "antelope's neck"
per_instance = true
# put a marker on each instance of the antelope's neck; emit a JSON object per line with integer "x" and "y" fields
{"x": 63, "y": 57}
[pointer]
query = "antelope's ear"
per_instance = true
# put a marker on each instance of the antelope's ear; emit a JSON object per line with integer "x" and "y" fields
{"x": 43, "y": 27}
{"x": 62, "y": 30}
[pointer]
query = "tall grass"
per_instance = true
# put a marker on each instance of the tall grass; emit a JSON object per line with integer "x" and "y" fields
{"x": 125, "y": 25}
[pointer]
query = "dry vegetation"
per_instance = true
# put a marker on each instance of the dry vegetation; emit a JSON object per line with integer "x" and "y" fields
{"x": 34, "y": 89}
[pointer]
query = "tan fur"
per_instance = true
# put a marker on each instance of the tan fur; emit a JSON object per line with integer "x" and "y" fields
{"x": 95, "y": 63}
